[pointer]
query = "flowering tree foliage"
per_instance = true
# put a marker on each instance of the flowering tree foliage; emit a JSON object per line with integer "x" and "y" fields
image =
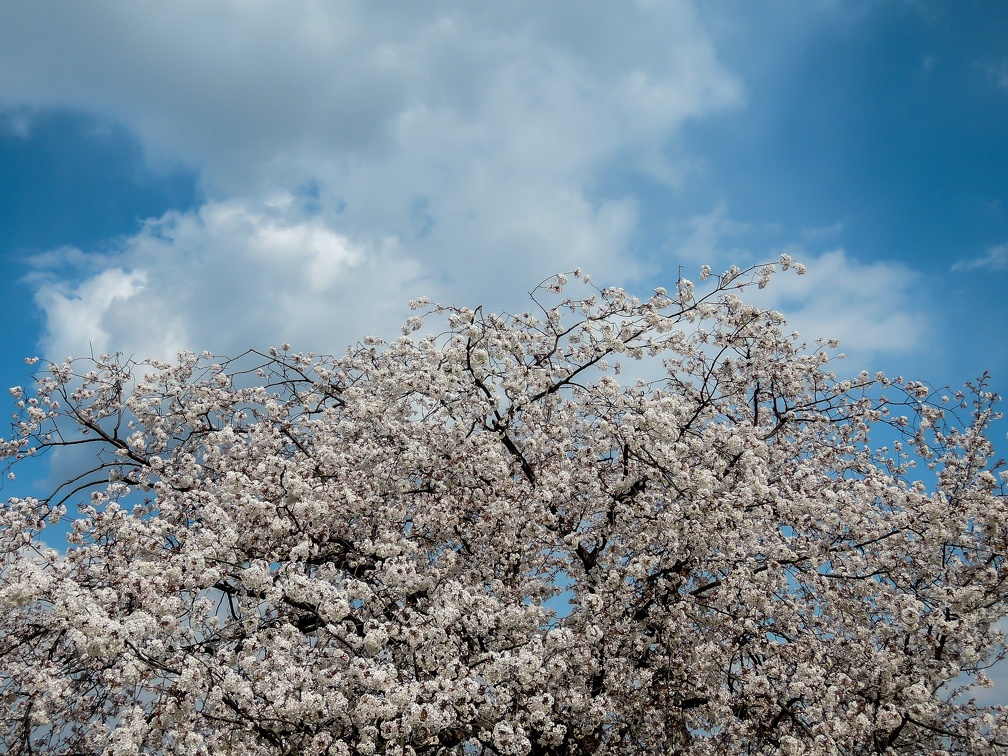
{"x": 292, "y": 554}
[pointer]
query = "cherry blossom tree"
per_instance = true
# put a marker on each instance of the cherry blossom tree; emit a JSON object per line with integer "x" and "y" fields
{"x": 488, "y": 540}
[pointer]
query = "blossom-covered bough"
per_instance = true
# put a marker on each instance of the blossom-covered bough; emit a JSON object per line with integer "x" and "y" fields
{"x": 285, "y": 553}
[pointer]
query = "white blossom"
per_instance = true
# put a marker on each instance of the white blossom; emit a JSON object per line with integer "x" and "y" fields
{"x": 363, "y": 554}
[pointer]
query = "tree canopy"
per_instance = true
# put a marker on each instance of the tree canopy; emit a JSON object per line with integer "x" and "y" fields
{"x": 484, "y": 538}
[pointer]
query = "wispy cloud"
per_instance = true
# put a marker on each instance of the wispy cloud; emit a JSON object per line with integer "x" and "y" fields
{"x": 828, "y": 234}
{"x": 994, "y": 259}
{"x": 1000, "y": 73}
{"x": 871, "y": 308}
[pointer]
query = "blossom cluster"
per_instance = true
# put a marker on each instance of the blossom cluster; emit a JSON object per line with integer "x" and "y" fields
{"x": 364, "y": 554}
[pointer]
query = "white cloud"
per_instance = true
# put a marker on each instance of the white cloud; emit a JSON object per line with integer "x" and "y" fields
{"x": 829, "y": 233}
{"x": 710, "y": 238}
{"x": 995, "y": 258}
{"x": 873, "y": 309}
{"x": 79, "y": 314}
{"x": 274, "y": 92}
{"x": 453, "y": 151}
{"x": 456, "y": 150}
{"x": 224, "y": 278}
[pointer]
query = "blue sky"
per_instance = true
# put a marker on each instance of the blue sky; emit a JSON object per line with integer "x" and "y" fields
{"x": 226, "y": 175}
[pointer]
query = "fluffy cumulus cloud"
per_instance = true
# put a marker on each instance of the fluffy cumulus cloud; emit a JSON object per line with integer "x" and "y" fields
{"x": 354, "y": 156}
{"x": 219, "y": 278}
{"x": 447, "y": 149}
{"x": 994, "y": 258}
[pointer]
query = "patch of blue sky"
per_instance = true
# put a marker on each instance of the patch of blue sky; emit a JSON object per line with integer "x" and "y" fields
{"x": 886, "y": 131}
{"x": 67, "y": 180}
